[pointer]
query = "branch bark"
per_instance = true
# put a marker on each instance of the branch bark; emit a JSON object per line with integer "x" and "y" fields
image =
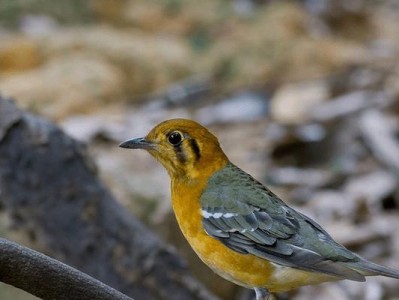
{"x": 50, "y": 190}
{"x": 48, "y": 278}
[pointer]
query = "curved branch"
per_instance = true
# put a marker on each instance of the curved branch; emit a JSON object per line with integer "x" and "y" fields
{"x": 48, "y": 278}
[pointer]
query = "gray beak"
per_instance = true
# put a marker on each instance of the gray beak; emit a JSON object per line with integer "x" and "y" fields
{"x": 139, "y": 143}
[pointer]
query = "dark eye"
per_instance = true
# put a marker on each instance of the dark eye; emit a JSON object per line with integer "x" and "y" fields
{"x": 175, "y": 138}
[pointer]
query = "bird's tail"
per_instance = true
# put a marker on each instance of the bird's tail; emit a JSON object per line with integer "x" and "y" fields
{"x": 369, "y": 268}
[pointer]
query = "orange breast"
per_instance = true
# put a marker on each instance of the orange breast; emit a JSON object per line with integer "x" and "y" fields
{"x": 245, "y": 270}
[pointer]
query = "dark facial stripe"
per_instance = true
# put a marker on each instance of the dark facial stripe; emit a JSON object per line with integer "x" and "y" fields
{"x": 195, "y": 148}
{"x": 180, "y": 150}
{"x": 181, "y": 156}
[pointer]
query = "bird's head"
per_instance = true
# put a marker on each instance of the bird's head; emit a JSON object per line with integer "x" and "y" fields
{"x": 185, "y": 148}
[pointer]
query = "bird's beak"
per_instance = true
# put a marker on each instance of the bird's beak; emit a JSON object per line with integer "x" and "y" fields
{"x": 139, "y": 143}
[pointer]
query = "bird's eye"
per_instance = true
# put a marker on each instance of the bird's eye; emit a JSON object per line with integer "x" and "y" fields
{"x": 175, "y": 138}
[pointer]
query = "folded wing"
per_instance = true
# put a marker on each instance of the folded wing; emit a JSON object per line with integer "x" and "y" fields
{"x": 248, "y": 218}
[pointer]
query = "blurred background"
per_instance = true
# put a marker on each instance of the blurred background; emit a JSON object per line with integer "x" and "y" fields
{"x": 303, "y": 95}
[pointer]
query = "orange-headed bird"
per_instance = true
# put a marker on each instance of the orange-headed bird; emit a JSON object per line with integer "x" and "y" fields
{"x": 237, "y": 226}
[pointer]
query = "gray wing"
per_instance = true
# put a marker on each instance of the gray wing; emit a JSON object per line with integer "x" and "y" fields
{"x": 248, "y": 218}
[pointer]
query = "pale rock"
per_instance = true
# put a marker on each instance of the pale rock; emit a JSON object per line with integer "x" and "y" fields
{"x": 372, "y": 186}
{"x": 379, "y": 133}
{"x": 292, "y": 102}
{"x": 350, "y": 103}
{"x": 327, "y": 205}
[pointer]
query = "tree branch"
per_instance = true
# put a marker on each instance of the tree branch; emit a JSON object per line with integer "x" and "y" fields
{"x": 48, "y": 278}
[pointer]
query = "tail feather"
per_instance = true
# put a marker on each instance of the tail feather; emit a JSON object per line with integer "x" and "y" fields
{"x": 369, "y": 268}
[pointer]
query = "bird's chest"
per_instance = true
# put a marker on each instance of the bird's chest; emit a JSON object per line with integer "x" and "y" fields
{"x": 245, "y": 270}
{"x": 186, "y": 205}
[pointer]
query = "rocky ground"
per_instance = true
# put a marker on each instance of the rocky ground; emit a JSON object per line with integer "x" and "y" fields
{"x": 303, "y": 95}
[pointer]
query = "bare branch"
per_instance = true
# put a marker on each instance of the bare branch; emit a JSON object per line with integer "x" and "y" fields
{"x": 48, "y": 278}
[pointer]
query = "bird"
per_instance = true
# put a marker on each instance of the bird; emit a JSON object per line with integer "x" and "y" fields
{"x": 237, "y": 226}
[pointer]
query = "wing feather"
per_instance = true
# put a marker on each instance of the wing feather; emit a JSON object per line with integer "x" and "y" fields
{"x": 248, "y": 218}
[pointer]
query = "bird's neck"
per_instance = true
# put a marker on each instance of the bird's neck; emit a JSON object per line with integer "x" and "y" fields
{"x": 186, "y": 192}
{"x": 192, "y": 171}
